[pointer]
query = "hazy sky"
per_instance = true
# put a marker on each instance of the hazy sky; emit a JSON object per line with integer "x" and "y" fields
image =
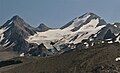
{"x": 56, "y": 13}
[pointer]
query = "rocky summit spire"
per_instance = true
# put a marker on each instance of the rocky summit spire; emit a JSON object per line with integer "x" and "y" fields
{"x": 15, "y": 17}
{"x": 42, "y": 27}
{"x": 15, "y": 20}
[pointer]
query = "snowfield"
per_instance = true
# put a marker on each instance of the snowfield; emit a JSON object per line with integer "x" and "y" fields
{"x": 86, "y": 31}
{"x": 50, "y": 35}
{"x": 57, "y": 34}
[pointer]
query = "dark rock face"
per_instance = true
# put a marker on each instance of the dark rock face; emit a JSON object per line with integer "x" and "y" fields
{"x": 109, "y": 35}
{"x": 17, "y": 31}
{"x": 108, "y": 32}
{"x": 38, "y": 50}
{"x": 9, "y": 62}
{"x": 19, "y": 25}
{"x": 67, "y": 25}
{"x": 42, "y": 27}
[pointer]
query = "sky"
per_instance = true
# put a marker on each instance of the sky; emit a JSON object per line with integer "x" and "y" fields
{"x": 56, "y": 13}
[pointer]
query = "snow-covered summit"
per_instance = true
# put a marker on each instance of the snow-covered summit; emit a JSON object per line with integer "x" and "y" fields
{"x": 78, "y": 22}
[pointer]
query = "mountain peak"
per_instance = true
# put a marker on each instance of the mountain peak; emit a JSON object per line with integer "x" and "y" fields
{"x": 15, "y": 21}
{"x": 86, "y": 18}
{"x": 42, "y": 27}
{"x": 92, "y": 15}
{"x": 16, "y": 17}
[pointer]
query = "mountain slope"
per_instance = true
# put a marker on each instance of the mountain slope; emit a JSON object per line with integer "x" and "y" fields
{"x": 75, "y": 31}
{"x": 111, "y": 31}
{"x": 97, "y": 59}
{"x": 78, "y": 22}
{"x": 14, "y": 34}
{"x": 17, "y": 35}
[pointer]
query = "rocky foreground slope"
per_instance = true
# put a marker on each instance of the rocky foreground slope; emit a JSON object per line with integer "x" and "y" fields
{"x": 103, "y": 58}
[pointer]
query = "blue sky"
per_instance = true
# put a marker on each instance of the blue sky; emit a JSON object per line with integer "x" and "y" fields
{"x": 56, "y": 13}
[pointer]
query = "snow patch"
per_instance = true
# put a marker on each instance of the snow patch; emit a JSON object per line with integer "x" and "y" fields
{"x": 1, "y": 37}
{"x": 2, "y": 34}
{"x": 103, "y": 41}
{"x": 2, "y": 30}
{"x": 48, "y": 46}
{"x": 115, "y": 25}
{"x": 22, "y": 54}
{"x": 110, "y": 42}
{"x": 10, "y": 22}
{"x": 87, "y": 45}
{"x": 6, "y": 43}
{"x": 89, "y": 26}
{"x": 91, "y": 39}
{"x": 117, "y": 59}
{"x": 118, "y": 39}
{"x": 85, "y": 35}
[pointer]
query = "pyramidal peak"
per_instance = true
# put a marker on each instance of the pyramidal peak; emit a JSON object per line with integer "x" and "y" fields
{"x": 16, "y": 17}
{"x": 42, "y": 27}
{"x": 15, "y": 20}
